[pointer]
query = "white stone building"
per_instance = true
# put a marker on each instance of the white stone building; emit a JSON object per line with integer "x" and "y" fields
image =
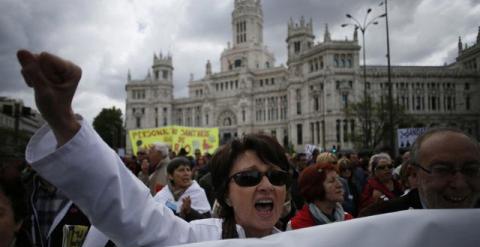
{"x": 15, "y": 115}
{"x": 17, "y": 124}
{"x": 302, "y": 103}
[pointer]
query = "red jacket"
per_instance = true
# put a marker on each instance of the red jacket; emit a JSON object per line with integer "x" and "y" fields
{"x": 366, "y": 198}
{"x": 304, "y": 218}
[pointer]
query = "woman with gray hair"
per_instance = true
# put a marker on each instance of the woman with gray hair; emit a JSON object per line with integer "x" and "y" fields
{"x": 381, "y": 185}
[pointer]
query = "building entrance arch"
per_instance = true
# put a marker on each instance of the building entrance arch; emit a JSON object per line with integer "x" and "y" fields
{"x": 227, "y": 122}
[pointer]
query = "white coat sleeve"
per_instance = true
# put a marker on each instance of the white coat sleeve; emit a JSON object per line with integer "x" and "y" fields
{"x": 94, "y": 178}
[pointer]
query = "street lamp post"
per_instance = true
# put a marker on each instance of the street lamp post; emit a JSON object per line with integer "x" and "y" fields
{"x": 391, "y": 128}
{"x": 363, "y": 28}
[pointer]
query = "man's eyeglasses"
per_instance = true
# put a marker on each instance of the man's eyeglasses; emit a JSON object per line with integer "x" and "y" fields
{"x": 252, "y": 178}
{"x": 441, "y": 170}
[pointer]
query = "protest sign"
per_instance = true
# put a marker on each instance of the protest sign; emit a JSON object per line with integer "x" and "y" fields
{"x": 406, "y": 137}
{"x": 205, "y": 139}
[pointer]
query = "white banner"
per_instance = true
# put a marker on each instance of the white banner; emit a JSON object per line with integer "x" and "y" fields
{"x": 406, "y": 137}
{"x": 409, "y": 228}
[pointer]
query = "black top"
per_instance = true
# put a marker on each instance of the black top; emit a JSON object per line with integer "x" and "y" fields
{"x": 408, "y": 201}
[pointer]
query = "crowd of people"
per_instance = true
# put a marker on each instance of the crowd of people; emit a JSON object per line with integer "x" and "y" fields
{"x": 249, "y": 188}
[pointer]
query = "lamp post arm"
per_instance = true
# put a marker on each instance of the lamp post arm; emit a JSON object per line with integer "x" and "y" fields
{"x": 366, "y": 17}
{"x": 355, "y": 20}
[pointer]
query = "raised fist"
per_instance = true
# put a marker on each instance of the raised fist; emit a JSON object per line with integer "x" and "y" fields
{"x": 54, "y": 81}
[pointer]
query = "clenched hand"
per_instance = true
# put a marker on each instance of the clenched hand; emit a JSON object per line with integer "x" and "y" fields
{"x": 54, "y": 81}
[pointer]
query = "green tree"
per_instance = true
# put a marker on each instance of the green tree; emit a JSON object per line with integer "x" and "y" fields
{"x": 374, "y": 121}
{"x": 109, "y": 125}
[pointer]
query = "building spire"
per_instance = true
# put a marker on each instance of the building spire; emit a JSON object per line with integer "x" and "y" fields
{"x": 129, "y": 75}
{"x": 208, "y": 68}
{"x": 326, "y": 36}
{"x": 460, "y": 45}
{"x": 478, "y": 36}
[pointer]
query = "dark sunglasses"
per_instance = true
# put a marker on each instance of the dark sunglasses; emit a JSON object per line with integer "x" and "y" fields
{"x": 382, "y": 168}
{"x": 252, "y": 178}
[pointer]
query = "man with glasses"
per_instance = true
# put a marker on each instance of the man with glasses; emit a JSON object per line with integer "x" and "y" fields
{"x": 446, "y": 166}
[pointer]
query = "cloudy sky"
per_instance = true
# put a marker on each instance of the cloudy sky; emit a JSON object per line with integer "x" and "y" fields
{"x": 109, "y": 37}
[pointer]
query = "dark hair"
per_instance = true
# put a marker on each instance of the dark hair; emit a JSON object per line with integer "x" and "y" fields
{"x": 298, "y": 155}
{"x": 182, "y": 152}
{"x": 268, "y": 151}
{"x": 311, "y": 181}
{"x": 175, "y": 163}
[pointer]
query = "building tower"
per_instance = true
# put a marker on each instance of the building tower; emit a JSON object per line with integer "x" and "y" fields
{"x": 247, "y": 23}
{"x": 149, "y": 101}
{"x": 162, "y": 69}
{"x": 299, "y": 38}
{"x": 248, "y": 51}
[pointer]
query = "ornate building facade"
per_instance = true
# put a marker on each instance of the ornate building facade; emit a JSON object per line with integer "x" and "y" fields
{"x": 304, "y": 101}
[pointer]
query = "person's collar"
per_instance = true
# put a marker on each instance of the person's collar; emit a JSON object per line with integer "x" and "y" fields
{"x": 422, "y": 202}
{"x": 242, "y": 234}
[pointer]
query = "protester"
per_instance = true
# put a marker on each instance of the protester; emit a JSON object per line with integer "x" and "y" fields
{"x": 323, "y": 192}
{"x": 131, "y": 164}
{"x": 327, "y": 157}
{"x": 197, "y": 153}
{"x": 256, "y": 188}
{"x": 158, "y": 157}
{"x": 206, "y": 183}
{"x": 406, "y": 178}
{"x": 351, "y": 196}
{"x": 404, "y": 159}
{"x": 141, "y": 154}
{"x": 143, "y": 173}
{"x": 51, "y": 210}
{"x": 200, "y": 168}
{"x": 381, "y": 185}
{"x": 360, "y": 172}
{"x": 250, "y": 175}
{"x": 182, "y": 195}
{"x": 446, "y": 170}
{"x": 299, "y": 163}
{"x": 313, "y": 157}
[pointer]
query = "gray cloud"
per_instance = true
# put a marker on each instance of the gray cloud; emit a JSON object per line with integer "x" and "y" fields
{"x": 107, "y": 38}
